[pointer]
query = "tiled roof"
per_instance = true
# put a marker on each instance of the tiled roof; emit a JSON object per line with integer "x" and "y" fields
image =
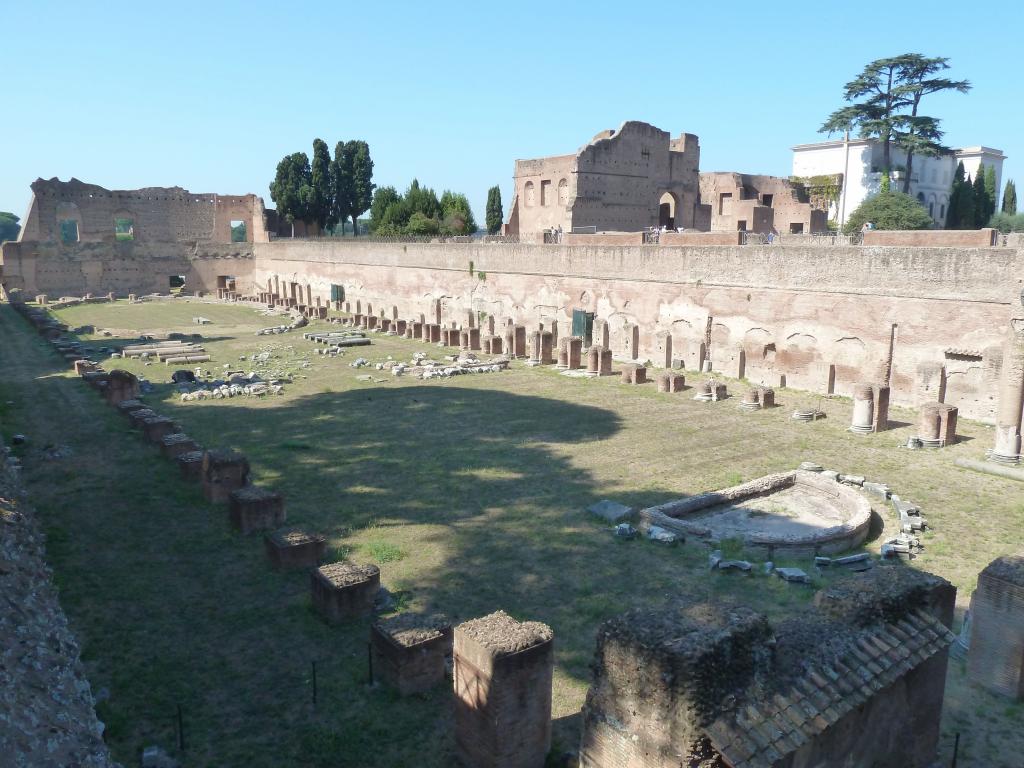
{"x": 760, "y": 734}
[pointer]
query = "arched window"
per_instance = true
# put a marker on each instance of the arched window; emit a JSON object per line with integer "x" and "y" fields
{"x": 920, "y": 197}
{"x": 528, "y": 195}
{"x": 563, "y": 192}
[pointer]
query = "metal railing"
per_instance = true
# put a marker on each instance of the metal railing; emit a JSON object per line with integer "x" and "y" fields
{"x": 823, "y": 239}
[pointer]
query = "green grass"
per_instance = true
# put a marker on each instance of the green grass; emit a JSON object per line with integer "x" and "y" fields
{"x": 469, "y": 495}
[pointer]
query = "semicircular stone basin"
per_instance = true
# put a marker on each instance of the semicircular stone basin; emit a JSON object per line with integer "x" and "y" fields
{"x": 793, "y": 513}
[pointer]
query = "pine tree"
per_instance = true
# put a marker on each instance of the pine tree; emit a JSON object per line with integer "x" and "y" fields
{"x": 1010, "y": 198}
{"x": 980, "y": 204}
{"x": 495, "y": 216}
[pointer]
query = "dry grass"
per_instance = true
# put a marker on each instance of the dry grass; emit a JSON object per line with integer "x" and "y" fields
{"x": 469, "y": 493}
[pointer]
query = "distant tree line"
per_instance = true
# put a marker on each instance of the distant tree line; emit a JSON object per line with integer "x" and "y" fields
{"x": 420, "y": 212}
{"x": 327, "y": 192}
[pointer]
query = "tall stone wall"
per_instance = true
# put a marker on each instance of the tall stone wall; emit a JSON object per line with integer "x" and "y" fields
{"x": 931, "y": 319}
{"x": 122, "y": 268}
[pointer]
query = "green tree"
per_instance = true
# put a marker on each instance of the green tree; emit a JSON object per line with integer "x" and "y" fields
{"x": 889, "y": 210}
{"x": 955, "y": 192}
{"x": 965, "y": 205}
{"x": 917, "y": 134}
{"x": 383, "y": 199}
{"x": 291, "y": 190}
{"x": 1009, "y": 198}
{"x": 421, "y": 224}
{"x": 980, "y": 202}
{"x": 456, "y": 214}
{"x": 9, "y": 226}
{"x": 322, "y": 204}
{"x": 341, "y": 176}
{"x": 422, "y": 200}
{"x": 884, "y": 100}
{"x": 991, "y": 194}
{"x": 362, "y": 182}
{"x": 495, "y": 215}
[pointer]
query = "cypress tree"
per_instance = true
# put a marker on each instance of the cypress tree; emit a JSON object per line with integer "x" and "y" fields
{"x": 955, "y": 193}
{"x": 1010, "y": 198}
{"x": 965, "y": 205}
{"x": 991, "y": 194}
{"x": 495, "y": 215}
{"x": 980, "y": 204}
{"x": 322, "y": 184}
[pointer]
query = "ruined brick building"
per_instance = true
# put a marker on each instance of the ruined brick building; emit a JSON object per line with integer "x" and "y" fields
{"x": 857, "y": 681}
{"x": 764, "y": 204}
{"x": 624, "y": 180}
{"x": 638, "y": 177}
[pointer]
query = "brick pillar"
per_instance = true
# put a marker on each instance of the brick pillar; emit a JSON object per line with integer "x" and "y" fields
{"x": 594, "y": 361}
{"x": 880, "y": 422}
{"x": 474, "y": 338}
{"x": 563, "y": 353}
{"x": 519, "y": 341}
{"x": 546, "y": 342}
{"x": 535, "y": 346}
{"x": 503, "y": 673}
{"x": 574, "y": 348}
{"x": 947, "y": 423}
{"x": 928, "y": 424}
{"x": 997, "y": 628}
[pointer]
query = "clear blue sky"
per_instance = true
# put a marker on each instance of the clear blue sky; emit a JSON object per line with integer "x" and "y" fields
{"x": 209, "y": 96}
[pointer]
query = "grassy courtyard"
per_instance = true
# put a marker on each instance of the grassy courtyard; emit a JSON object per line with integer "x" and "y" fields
{"x": 468, "y": 493}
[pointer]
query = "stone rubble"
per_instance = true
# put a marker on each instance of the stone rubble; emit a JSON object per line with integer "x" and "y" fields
{"x": 47, "y": 710}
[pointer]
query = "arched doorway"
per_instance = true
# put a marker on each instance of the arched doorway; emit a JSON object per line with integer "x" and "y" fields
{"x": 667, "y": 207}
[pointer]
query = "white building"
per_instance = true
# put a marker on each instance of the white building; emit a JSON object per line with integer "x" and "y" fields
{"x": 860, "y": 163}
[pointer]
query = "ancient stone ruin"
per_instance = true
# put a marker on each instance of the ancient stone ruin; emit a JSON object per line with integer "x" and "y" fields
{"x": 503, "y": 674}
{"x": 857, "y": 680}
{"x": 996, "y": 658}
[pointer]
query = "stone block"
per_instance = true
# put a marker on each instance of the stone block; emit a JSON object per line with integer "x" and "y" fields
{"x": 127, "y": 407}
{"x": 293, "y": 549}
{"x": 634, "y": 374}
{"x": 409, "y": 651}
{"x": 96, "y": 379}
{"x": 84, "y": 366}
{"x": 156, "y": 428}
{"x": 342, "y": 591}
{"x": 137, "y": 415}
{"x": 612, "y": 511}
{"x": 252, "y": 508}
{"x": 191, "y": 465}
{"x": 174, "y": 445}
{"x": 670, "y": 381}
{"x": 503, "y": 672}
{"x": 223, "y": 471}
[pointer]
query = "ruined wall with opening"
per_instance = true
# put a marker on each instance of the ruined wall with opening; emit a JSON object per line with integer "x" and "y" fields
{"x": 932, "y": 320}
{"x": 153, "y": 215}
{"x": 615, "y": 182}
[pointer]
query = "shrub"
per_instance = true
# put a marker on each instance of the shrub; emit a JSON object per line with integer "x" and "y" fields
{"x": 889, "y": 210}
